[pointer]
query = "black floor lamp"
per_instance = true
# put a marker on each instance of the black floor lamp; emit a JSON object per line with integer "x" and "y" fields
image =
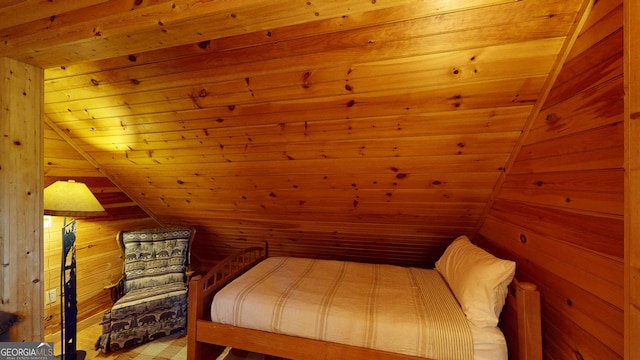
{"x": 74, "y": 199}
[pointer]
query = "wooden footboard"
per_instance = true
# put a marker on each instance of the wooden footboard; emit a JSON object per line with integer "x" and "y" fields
{"x": 203, "y": 287}
{"x": 520, "y": 321}
{"x": 522, "y": 327}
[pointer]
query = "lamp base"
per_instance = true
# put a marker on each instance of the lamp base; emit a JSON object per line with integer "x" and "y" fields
{"x": 80, "y": 355}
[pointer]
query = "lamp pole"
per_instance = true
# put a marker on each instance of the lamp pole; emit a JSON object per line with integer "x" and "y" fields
{"x": 69, "y": 308}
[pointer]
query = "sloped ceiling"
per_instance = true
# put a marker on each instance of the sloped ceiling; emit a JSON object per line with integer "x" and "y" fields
{"x": 366, "y": 130}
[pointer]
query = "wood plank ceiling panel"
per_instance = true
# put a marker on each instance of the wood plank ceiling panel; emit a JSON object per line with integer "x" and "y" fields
{"x": 117, "y": 27}
{"x": 365, "y": 130}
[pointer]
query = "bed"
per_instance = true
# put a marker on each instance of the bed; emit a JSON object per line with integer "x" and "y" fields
{"x": 312, "y": 309}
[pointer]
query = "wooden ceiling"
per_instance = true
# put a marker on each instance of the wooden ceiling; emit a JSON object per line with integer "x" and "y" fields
{"x": 367, "y": 130}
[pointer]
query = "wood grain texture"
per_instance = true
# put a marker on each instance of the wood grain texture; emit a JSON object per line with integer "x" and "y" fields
{"x": 370, "y": 131}
{"x": 632, "y": 182}
{"x": 98, "y": 257}
{"x": 342, "y": 136}
{"x": 21, "y": 201}
{"x": 560, "y": 210}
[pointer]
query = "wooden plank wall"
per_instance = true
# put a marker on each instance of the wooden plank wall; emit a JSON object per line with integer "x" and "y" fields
{"x": 560, "y": 209}
{"x": 632, "y": 179}
{"x": 21, "y": 137}
{"x": 375, "y": 136}
{"x": 97, "y": 254}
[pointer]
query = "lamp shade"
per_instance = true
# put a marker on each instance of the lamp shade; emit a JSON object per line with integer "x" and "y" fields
{"x": 70, "y": 198}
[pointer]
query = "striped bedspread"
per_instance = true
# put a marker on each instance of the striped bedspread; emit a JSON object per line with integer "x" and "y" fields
{"x": 384, "y": 307}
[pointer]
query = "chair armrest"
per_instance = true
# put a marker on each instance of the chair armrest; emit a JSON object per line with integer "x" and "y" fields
{"x": 189, "y": 273}
{"x": 116, "y": 290}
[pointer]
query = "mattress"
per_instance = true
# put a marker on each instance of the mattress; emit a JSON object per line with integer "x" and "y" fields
{"x": 384, "y": 307}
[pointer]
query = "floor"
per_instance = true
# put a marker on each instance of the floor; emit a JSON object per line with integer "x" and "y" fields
{"x": 168, "y": 348}
{"x": 86, "y": 340}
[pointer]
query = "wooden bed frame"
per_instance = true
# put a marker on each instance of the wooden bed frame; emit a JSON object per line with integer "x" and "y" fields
{"x": 522, "y": 315}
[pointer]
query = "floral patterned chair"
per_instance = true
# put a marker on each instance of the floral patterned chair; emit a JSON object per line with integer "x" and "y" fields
{"x": 150, "y": 300}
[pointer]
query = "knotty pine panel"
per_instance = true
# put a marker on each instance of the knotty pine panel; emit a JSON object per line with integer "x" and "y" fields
{"x": 373, "y": 131}
{"x": 436, "y": 123}
{"x": 526, "y": 58}
{"x": 590, "y": 140}
{"x": 564, "y": 336}
{"x": 491, "y": 94}
{"x": 21, "y": 196}
{"x": 309, "y": 151}
{"x": 365, "y": 220}
{"x": 588, "y": 109}
{"x": 412, "y": 212}
{"x": 576, "y": 280}
{"x": 606, "y": 22}
{"x": 570, "y": 240}
{"x": 62, "y": 162}
{"x": 607, "y": 203}
{"x": 371, "y": 29}
{"x": 571, "y": 304}
{"x": 598, "y": 73}
{"x": 590, "y": 272}
{"x": 365, "y": 207}
{"x": 592, "y": 231}
{"x": 131, "y": 30}
{"x": 607, "y": 158}
{"x": 421, "y": 252}
{"x": 317, "y": 182}
{"x": 609, "y": 181}
{"x": 199, "y": 94}
{"x": 604, "y": 9}
{"x": 314, "y": 126}
{"x": 286, "y": 143}
{"x": 19, "y": 12}
{"x": 400, "y": 167}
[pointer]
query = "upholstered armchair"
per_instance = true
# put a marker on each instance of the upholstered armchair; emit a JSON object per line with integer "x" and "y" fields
{"x": 150, "y": 300}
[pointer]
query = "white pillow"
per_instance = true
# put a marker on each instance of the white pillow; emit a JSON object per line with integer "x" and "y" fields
{"x": 478, "y": 280}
